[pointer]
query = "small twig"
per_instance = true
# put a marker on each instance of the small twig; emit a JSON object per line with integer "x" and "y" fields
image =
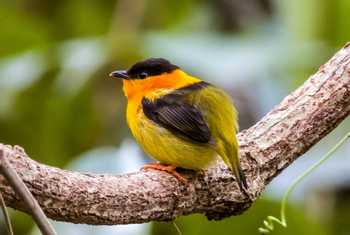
{"x": 6, "y": 215}
{"x": 23, "y": 192}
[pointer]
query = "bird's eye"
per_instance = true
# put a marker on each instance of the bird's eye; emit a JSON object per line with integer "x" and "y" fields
{"x": 143, "y": 75}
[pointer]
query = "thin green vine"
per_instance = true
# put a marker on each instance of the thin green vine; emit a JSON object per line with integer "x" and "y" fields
{"x": 270, "y": 220}
{"x": 177, "y": 228}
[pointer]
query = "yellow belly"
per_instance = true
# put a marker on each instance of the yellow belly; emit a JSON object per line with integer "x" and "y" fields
{"x": 165, "y": 147}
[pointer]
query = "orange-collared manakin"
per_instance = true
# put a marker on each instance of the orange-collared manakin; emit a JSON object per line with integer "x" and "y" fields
{"x": 180, "y": 120}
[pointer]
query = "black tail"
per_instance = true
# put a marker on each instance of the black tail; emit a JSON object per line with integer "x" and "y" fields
{"x": 242, "y": 182}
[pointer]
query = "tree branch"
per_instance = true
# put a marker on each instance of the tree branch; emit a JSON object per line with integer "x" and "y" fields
{"x": 290, "y": 129}
{"x": 22, "y": 191}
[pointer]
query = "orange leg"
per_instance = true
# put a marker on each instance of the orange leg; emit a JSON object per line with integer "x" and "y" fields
{"x": 167, "y": 168}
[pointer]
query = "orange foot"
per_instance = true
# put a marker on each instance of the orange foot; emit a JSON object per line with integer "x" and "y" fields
{"x": 167, "y": 168}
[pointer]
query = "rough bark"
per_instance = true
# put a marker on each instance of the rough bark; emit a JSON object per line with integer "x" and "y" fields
{"x": 290, "y": 129}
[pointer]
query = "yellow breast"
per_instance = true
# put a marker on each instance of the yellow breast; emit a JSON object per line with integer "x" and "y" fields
{"x": 135, "y": 115}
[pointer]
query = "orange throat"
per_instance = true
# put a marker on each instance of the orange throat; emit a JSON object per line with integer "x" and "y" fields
{"x": 138, "y": 88}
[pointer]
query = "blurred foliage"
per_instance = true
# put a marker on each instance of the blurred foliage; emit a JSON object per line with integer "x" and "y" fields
{"x": 20, "y": 31}
{"x": 21, "y": 222}
{"x": 318, "y": 20}
{"x": 248, "y": 222}
{"x": 57, "y": 102}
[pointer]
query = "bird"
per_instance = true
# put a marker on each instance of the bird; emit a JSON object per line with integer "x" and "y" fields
{"x": 180, "y": 120}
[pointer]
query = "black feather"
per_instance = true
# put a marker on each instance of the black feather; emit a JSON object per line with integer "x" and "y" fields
{"x": 175, "y": 114}
{"x": 151, "y": 67}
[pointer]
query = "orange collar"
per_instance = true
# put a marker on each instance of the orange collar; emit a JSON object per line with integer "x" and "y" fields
{"x": 168, "y": 81}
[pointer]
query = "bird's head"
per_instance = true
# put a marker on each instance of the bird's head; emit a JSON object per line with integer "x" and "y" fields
{"x": 150, "y": 74}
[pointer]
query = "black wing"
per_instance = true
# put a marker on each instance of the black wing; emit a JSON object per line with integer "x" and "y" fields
{"x": 177, "y": 116}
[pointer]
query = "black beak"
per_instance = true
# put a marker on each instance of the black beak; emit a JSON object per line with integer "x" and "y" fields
{"x": 123, "y": 74}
